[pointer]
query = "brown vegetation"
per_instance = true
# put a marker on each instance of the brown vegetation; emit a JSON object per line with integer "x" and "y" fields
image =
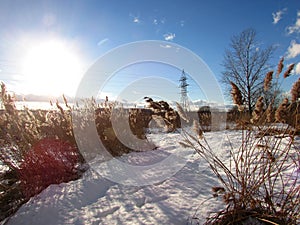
{"x": 255, "y": 187}
{"x": 38, "y": 147}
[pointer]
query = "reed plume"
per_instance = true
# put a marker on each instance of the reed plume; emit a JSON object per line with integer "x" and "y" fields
{"x": 236, "y": 96}
{"x": 268, "y": 80}
{"x": 258, "y": 111}
{"x": 280, "y": 67}
{"x": 295, "y": 91}
{"x": 269, "y": 113}
{"x": 287, "y": 73}
{"x": 181, "y": 112}
{"x": 197, "y": 129}
{"x": 281, "y": 112}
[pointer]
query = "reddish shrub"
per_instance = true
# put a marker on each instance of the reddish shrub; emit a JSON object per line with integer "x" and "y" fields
{"x": 50, "y": 161}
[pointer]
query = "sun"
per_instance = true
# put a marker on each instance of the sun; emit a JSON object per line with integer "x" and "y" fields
{"x": 51, "y": 67}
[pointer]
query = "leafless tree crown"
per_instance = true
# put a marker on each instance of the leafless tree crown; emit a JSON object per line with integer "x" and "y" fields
{"x": 245, "y": 64}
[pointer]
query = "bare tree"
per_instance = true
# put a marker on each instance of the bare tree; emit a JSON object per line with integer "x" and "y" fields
{"x": 245, "y": 64}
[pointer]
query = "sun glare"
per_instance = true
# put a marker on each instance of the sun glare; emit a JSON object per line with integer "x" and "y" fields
{"x": 51, "y": 68}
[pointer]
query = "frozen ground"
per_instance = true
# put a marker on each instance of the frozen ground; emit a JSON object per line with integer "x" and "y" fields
{"x": 97, "y": 200}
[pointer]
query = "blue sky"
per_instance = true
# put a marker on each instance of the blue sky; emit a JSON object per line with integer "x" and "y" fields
{"x": 88, "y": 29}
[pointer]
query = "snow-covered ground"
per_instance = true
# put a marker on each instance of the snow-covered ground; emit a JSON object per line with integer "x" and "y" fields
{"x": 97, "y": 200}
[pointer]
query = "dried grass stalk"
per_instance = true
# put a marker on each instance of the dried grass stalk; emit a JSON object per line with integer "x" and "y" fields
{"x": 287, "y": 73}
{"x": 295, "y": 91}
{"x": 60, "y": 108}
{"x": 218, "y": 189}
{"x": 268, "y": 80}
{"x": 66, "y": 102}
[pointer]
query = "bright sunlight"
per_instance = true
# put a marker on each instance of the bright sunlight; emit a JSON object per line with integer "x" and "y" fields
{"x": 51, "y": 67}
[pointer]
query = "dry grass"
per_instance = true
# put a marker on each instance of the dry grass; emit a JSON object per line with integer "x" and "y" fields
{"x": 255, "y": 182}
{"x": 22, "y": 131}
{"x": 39, "y": 147}
{"x": 255, "y": 185}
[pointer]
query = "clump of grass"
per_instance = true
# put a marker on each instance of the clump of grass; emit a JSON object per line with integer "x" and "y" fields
{"x": 256, "y": 184}
{"x": 119, "y": 129}
{"x": 28, "y": 171}
{"x": 39, "y": 147}
{"x": 170, "y": 117}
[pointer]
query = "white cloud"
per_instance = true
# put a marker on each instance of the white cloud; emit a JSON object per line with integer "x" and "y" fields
{"x": 101, "y": 42}
{"x": 293, "y": 50}
{"x": 297, "y": 69}
{"x": 277, "y": 16}
{"x": 136, "y": 20}
{"x": 296, "y": 27}
{"x": 169, "y": 36}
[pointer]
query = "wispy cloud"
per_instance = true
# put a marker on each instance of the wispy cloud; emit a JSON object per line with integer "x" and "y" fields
{"x": 101, "y": 42}
{"x": 297, "y": 69}
{"x": 293, "y": 50}
{"x": 182, "y": 23}
{"x": 135, "y": 18}
{"x": 158, "y": 21}
{"x": 163, "y": 46}
{"x": 277, "y": 16}
{"x": 296, "y": 27}
{"x": 169, "y": 36}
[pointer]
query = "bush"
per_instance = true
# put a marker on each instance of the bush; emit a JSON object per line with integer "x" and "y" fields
{"x": 50, "y": 161}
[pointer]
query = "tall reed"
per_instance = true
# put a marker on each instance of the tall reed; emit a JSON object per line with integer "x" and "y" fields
{"x": 260, "y": 183}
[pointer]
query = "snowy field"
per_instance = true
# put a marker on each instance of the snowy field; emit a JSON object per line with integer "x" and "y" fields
{"x": 97, "y": 200}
